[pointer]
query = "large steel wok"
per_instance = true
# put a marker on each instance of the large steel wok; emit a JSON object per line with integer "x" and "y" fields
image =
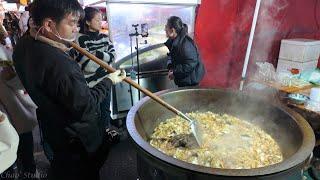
{"x": 290, "y": 130}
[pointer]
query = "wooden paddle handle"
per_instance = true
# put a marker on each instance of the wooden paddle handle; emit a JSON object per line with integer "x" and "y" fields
{"x": 128, "y": 80}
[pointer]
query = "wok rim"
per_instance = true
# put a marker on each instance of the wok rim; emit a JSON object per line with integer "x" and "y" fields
{"x": 302, "y": 154}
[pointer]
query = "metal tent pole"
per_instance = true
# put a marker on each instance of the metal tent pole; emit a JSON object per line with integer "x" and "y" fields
{"x": 247, "y": 57}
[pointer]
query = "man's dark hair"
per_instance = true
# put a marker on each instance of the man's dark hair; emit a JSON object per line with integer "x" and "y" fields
{"x": 54, "y": 9}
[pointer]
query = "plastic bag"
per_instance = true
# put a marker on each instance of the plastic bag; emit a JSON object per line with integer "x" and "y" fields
{"x": 265, "y": 72}
{"x": 290, "y": 80}
{"x": 312, "y": 76}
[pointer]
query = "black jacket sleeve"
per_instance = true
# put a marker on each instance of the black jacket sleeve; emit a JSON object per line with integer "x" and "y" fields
{"x": 169, "y": 62}
{"x": 73, "y": 92}
{"x": 188, "y": 62}
{"x": 79, "y": 106}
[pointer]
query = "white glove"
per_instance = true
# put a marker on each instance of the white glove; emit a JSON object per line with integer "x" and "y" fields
{"x": 117, "y": 76}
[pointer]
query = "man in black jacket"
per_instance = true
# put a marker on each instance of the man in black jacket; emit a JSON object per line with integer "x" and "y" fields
{"x": 68, "y": 110}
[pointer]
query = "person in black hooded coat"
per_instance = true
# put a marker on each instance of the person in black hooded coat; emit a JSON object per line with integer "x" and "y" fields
{"x": 184, "y": 62}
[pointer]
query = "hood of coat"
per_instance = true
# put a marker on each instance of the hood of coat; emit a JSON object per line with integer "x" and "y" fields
{"x": 173, "y": 43}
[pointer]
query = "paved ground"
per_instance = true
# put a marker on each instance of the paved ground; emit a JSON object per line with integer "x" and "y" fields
{"x": 120, "y": 165}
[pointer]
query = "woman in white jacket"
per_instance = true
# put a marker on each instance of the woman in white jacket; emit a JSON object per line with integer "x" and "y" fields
{"x": 21, "y": 112}
{"x": 9, "y": 141}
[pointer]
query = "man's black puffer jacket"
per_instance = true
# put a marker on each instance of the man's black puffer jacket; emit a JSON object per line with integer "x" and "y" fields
{"x": 67, "y": 108}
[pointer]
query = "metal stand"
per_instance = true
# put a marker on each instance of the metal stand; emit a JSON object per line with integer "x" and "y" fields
{"x": 131, "y": 96}
{"x": 136, "y": 34}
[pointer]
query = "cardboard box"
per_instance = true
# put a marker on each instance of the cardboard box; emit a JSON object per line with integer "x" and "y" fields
{"x": 300, "y": 50}
{"x": 286, "y": 65}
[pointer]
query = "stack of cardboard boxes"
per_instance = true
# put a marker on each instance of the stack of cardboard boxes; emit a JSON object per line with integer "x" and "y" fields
{"x": 302, "y": 54}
